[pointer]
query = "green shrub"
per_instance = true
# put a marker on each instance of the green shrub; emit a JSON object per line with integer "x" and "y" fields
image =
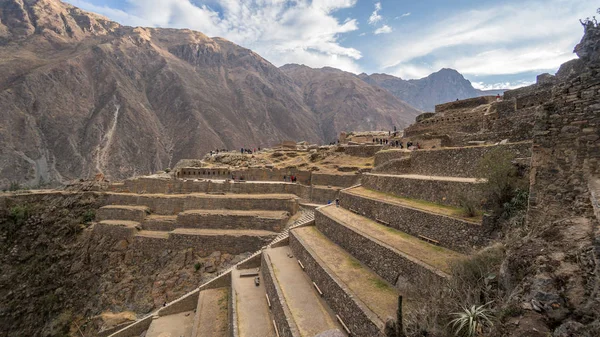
{"x": 469, "y": 207}
{"x": 197, "y": 266}
{"x": 471, "y": 321}
{"x": 18, "y": 215}
{"x": 15, "y": 186}
{"x": 518, "y": 203}
{"x": 167, "y": 170}
{"x": 497, "y": 169}
{"x": 88, "y": 216}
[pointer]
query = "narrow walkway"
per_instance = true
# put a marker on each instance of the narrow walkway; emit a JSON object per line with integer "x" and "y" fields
{"x": 376, "y": 293}
{"x": 212, "y": 313}
{"x": 251, "y": 306}
{"x": 435, "y": 256}
{"x": 310, "y": 312}
{"x": 230, "y": 232}
{"x": 241, "y": 213}
{"x": 123, "y": 223}
{"x": 422, "y": 205}
{"x": 426, "y": 177}
{"x": 177, "y": 325}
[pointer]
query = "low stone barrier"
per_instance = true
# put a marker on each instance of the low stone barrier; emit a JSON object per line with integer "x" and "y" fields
{"x": 361, "y": 150}
{"x": 203, "y": 245}
{"x": 340, "y": 180}
{"x": 358, "y": 317}
{"x": 459, "y": 162}
{"x": 456, "y": 234}
{"x": 273, "y": 221}
{"x": 447, "y": 192}
{"x": 387, "y": 155}
{"x": 174, "y": 204}
{"x": 384, "y": 260}
{"x": 324, "y": 194}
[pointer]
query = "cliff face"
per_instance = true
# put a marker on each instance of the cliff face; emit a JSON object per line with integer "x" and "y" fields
{"x": 82, "y": 95}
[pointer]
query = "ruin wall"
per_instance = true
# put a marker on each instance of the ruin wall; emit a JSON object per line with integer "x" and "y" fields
{"x": 456, "y": 234}
{"x": 340, "y": 180}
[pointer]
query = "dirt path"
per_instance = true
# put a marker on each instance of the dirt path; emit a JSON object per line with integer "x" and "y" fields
{"x": 253, "y": 318}
{"x": 310, "y": 312}
{"x": 376, "y": 293}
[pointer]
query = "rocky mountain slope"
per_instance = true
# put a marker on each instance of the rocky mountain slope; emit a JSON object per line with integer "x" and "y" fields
{"x": 341, "y": 101}
{"x": 82, "y": 95}
{"x": 440, "y": 87}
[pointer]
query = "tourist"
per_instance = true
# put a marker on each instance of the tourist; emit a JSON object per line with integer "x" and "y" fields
{"x": 284, "y": 178}
{"x": 498, "y": 98}
{"x": 337, "y": 202}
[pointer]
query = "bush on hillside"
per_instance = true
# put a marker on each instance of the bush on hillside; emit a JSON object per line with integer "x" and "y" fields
{"x": 501, "y": 178}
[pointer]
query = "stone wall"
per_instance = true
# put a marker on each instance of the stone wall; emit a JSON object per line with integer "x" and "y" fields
{"x": 566, "y": 151}
{"x": 451, "y": 162}
{"x": 238, "y": 220}
{"x": 356, "y": 315}
{"x": 279, "y": 309}
{"x": 362, "y": 150}
{"x": 340, "y": 180}
{"x": 468, "y": 103}
{"x": 388, "y": 263}
{"x": 249, "y": 174}
{"x": 174, "y": 204}
{"x": 323, "y": 194}
{"x": 388, "y": 155}
{"x": 456, "y": 234}
{"x": 447, "y": 192}
{"x": 204, "y": 245}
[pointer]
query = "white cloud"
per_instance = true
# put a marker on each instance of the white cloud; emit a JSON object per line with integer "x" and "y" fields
{"x": 375, "y": 17}
{"x": 402, "y": 16}
{"x": 502, "y": 85}
{"x": 300, "y": 31}
{"x": 506, "y": 39}
{"x": 385, "y": 29}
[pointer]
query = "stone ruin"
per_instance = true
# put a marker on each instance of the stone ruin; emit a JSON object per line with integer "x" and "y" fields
{"x": 319, "y": 269}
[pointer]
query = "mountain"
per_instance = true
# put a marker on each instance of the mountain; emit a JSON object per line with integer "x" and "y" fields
{"x": 342, "y": 101}
{"x": 440, "y": 87}
{"x": 81, "y": 95}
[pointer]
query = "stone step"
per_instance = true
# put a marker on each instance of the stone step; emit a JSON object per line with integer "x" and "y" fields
{"x": 394, "y": 255}
{"x": 250, "y": 305}
{"x": 176, "y": 325}
{"x": 442, "y": 223}
{"x": 436, "y": 189}
{"x": 122, "y": 212}
{"x": 233, "y": 219}
{"x": 212, "y": 313}
{"x": 357, "y": 294}
{"x": 118, "y": 229}
{"x": 172, "y": 204}
{"x": 296, "y": 306}
{"x": 155, "y": 222}
{"x": 153, "y": 234}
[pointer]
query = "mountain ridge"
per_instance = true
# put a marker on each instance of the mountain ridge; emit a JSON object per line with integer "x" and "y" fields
{"x": 83, "y": 95}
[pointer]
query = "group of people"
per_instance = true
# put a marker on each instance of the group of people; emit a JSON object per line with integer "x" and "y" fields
{"x": 397, "y": 143}
{"x": 291, "y": 178}
{"x": 249, "y": 151}
{"x": 213, "y": 152}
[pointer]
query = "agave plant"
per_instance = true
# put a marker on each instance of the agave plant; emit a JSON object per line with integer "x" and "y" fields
{"x": 471, "y": 321}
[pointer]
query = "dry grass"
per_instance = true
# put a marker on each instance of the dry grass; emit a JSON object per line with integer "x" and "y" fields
{"x": 473, "y": 282}
{"x": 455, "y": 212}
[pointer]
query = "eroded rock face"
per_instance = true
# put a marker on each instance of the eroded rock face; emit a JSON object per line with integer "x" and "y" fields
{"x": 588, "y": 49}
{"x": 56, "y": 271}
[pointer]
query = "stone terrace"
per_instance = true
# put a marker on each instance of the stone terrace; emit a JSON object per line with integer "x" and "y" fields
{"x": 344, "y": 270}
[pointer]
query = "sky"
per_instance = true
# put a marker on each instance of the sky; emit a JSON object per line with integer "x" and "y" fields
{"x": 494, "y": 44}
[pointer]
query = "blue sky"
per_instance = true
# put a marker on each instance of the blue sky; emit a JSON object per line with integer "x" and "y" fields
{"x": 493, "y": 43}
